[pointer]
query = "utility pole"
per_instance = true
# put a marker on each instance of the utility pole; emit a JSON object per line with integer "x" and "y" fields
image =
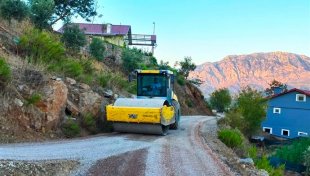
{"x": 153, "y": 47}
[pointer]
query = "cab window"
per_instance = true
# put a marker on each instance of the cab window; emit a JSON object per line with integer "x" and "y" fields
{"x": 153, "y": 85}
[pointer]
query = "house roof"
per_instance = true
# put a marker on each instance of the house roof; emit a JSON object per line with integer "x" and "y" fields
{"x": 306, "y": 92}
{"x": 101, "y": 29}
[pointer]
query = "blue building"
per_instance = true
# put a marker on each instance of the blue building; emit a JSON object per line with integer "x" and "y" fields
{"x": 288, "y": 114}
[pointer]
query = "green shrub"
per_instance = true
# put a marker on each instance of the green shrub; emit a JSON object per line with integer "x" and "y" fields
{"x": 42, "y": 46}
{"x": 104, "y": 79}
{"x": 118, "y": 81}
{"x": 41, "y": 12}
{"x": 113, "y": 80}
{"x": 252, "y": 106}
{"x": 189, "y": 103}
{"x": 97, "y": 49}
{"x": 181, "y": 80}
{"x": 132, "y": 59}
{"x": 235, "y": 119}
{"x": 73, "y": 37}
{"x": 5, "y": 73}
{"x": 232, "y": 138}
{"x": 307, "y": 161}
{"x": 71, "y": 128}
{"x": 86, "y": 78}
{"x": 33, "y": 99}
{"x": 89, "y": 122}
{"x": 263, "y": 163}
{"x": 87, "y": 66}
{"x": 72, "y": 68}
{"x": 252, "y": 152}
{"x": 220, "y": 99}
{"x": 13, "y": 9}
{"x": 294, "y": 152}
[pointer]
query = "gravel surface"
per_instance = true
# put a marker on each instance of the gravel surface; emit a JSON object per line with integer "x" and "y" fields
{"x": 44, "y": 168}
{"x": 181, "y": 152}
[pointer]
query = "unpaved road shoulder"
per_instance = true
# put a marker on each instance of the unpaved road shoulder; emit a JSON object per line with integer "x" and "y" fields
{"x": 181, "y": 152}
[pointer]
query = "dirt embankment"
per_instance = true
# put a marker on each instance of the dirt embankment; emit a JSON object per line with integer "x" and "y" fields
{"x": 191, "y": 100}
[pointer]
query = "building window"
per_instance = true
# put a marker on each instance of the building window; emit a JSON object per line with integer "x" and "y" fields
{"x": 267, "y": 130}
{"x": 300, "y": 97}
{"x": 277, "y": 110}
{"x": 285, "y": 132}
{"x": 302, "y": 134}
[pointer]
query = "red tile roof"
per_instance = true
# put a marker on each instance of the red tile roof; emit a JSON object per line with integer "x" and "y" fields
{"x": 99, "y": 29}
{"x": 306, "y": 92}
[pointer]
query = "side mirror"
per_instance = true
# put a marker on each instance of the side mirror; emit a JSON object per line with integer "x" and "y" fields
{"x": 172, "y": 79}
{"x": 132, "y": 76}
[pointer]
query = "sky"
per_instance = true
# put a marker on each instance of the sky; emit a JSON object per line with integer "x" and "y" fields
{"x": 209, "y": 30}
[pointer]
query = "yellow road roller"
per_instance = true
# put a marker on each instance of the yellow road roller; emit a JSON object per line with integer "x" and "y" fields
{"x": 155, "y": 109}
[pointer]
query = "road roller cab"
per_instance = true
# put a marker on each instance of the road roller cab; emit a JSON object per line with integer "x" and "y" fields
{"x": 153, "y": 111}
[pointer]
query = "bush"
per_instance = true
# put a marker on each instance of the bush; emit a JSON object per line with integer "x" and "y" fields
{"x": 307, "y": 161}
{"x": 263, "y": 163}
{"x": 118, "y": 81}
{"x": 42, "y": 46}
{"x": 294, "y": 152}
{"x": 5, "y": 73}
{"x": 235, "y": 119}
{"x": 71, "y": 128}
{"x": 181, "y": 80}
{"x": 73, "y": 37}
{"x": 231, "y": 138}
{"x": 97, "y": 49}
{"x": 252, "y": 107}
{"x": 189, "y": 103}
{"x": 72, "y": 68}
{"x": 33, "y": 99}
{"x": 220, "y": 99}
{"x": 14, "y": 9}
{"x": 104, "y": 79}
{"x": 113, "y": 80}
{"x": 41, "y": 12}
{"x": 252, "y": 152}
{"x": 87, "y": 66}
{"x": 132, "y": 59}
{"x": 89, "y": 122}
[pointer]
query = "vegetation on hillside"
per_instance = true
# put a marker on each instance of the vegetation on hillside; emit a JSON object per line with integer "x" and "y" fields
{"x": 220, "y": 99}
{"x": 97, "y": 49}
{"x": 45, "y": 13}
{"x": 186, "y": 66}
{"x": 13, "y": 9}
{"x": 73, "y": 37}
{"x": 270, "y": 90}
{"x": 5, "y": 74}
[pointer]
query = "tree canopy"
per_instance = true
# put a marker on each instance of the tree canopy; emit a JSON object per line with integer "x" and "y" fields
{"x": 41, "y": 12}
{"x": 13, "y": 9}
{"x": 73, "y": 37}
{"x": 186, "y": 66}
{"x": 220, "y": 99}
{"x": 252, "y": 106}
{"x": 269, "y": 91}
{"x": 67, "y": 8}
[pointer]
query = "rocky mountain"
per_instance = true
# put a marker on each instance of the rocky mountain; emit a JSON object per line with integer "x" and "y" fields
{"x": 255, "y": 70}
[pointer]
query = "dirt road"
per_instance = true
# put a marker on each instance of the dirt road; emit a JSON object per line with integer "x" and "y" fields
{"x": 181, "y": 152}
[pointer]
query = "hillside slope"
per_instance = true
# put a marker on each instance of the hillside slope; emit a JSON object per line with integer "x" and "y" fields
{"x": 39, "y": 104}
{"x": 256, "y": 70}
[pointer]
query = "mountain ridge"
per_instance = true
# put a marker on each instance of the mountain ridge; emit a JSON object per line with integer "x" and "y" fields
{"x": 256, "y": 70}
